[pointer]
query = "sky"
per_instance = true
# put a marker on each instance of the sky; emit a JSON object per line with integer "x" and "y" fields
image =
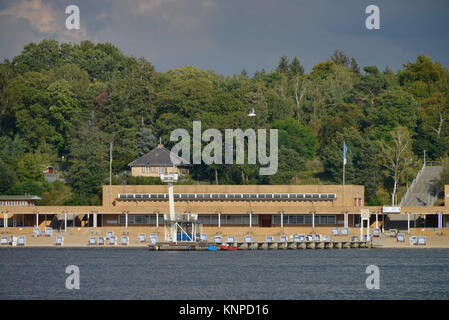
{"x": 230, "y": 35}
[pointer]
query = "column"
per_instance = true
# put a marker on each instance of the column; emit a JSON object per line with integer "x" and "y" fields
{"x": 361, "y": 229}
{"x": 88, "y": 219}
{"x": 313, "y": 220}
{"x": 37, "y": 220}
{"x": 408, "y": 222}
{"x": 157, "y": 220}
{"x": 250, "y": 220}
{"x": 219, "y": 220}
{"x": 65, "y": 221}
{"x": 282, "y": 219}
{"x": 367, "y": 229}
{"x": 377, "y": 221}
{"x": 6, "y": 219}
{"x": 126, "y": 220}
{"x": 95, "y": 219}
{"x": 346, "y": 220}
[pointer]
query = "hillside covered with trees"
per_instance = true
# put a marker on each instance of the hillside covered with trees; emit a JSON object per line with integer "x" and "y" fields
{"x": 61, "y": 105}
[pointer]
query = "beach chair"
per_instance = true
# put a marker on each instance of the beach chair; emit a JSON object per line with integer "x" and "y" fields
{"x": 142, "y": 237}
{"x": 125, "y": 241}
{"x": 327, "y": 238}
{"x": 101, "y": 241}
{"x": 217, "y": 239}
{"x": 344, "y": 231}
{"x": 335, "y": 232}
{"x": 153, "y": 238}
{"x": 422, "y": 241}
{"x": 112, "y": 240}
{"x": 393, "y": 233}
{"x": 21, "y": 241}
{"x": 269, "y": 239}
{"x": 109, "y": 235}
{"x": 283, "y": 238}
{"x": 59, "y": 240}
{"x": 310, "y": 237}
{"x": 413, "y": 240}
{"x": 48, "y": 231}
{"x": 4, "y": 241}
{"x": 203, "y": 237}
{"x": 301, "y": 237}
{"x": 317, "y": 237}
{"x": 248, "y": 239}
{"x": 376, "y": 232}
{"x": 231, "y": 239}
{"x": 367, "y": 237}
{"x": 296, "y": 238}
{"x": 400, "y": 237}
{"x": 37, "y": 232}
{"x": 92, "y": 240}
{"x": 354, "y": 238}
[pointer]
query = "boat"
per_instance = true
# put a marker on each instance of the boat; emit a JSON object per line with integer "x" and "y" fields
{"x": 227, "y": 247}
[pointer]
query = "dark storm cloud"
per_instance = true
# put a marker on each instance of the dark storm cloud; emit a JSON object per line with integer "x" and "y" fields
{"x": 230, "y": 35}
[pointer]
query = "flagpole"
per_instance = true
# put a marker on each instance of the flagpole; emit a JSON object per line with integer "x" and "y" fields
{"x": 110, "y": 174}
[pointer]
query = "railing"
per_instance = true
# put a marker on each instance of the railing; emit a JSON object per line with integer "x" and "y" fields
{"x": 431, "y": 163}
{"x": 418, "y": 176}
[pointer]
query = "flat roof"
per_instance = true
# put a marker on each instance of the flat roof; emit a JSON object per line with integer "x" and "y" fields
{"x": 20, "y": 197}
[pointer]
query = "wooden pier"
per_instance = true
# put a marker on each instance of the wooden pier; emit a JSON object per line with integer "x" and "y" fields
{"x": 289, "y": 245}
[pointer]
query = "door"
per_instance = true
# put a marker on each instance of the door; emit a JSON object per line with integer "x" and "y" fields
{"x": 265, "y": 220}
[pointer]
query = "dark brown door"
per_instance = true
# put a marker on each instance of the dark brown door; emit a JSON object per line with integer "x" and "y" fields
{"x": 265, "y": 220}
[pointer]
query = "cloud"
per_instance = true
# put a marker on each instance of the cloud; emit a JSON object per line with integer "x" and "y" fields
{"x": 41, "y": 16}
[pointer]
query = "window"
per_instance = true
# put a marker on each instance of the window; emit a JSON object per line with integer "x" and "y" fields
{"x": 147, "y": 170}
{"x": 161, "y": 169}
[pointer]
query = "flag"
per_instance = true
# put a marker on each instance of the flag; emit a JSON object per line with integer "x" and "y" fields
{"x": 345, "y": 148}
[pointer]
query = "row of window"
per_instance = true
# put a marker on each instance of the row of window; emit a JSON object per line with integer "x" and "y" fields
{"x": 307, "y": 196}
{"x": 243, "y": 219}
{"x": 14, "y": 203}
{"x": 304, "y": 219}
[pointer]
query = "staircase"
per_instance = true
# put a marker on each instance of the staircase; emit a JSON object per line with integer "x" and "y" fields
{"x": 423, "y": 190}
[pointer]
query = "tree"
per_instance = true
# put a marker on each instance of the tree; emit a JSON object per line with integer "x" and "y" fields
{"x": 146, "y": 141}
{"x": 396, "y": 156}
{"x": 295, "y": 68}
{"x": 283, "y": 66}
{"x": 7, "y": 177}
{"x": 339, "y": 58}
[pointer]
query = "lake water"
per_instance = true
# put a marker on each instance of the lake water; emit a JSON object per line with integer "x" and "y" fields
{"x": 39, "y": 273}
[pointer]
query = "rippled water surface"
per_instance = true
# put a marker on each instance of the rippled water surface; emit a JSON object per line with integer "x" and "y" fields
{"x": 38, "y": 273}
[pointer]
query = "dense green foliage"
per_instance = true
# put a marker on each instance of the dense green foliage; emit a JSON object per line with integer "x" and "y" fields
{"x": 62, "y": 105}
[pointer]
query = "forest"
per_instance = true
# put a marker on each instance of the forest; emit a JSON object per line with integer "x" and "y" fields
{"x": 62, "y": 104}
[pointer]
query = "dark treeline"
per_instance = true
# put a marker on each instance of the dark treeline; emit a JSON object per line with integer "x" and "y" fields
{"x": 61, "y": 104}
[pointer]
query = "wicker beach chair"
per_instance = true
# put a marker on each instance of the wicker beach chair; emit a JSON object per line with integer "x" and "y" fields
{"x": 4, "y": 241}
{"x": 301, "y": 238}
{"x": 327, "y": 238}
{"x": 413, "y": 240}
{"x": 142, "y": 237}
{"x": 248, "y": 239}
{"x": 269, "y": 239}
{"x": 59, "y": 240}
{"x": 400, "y": 237}
{"x": 153, "y": 238}
{"x": 355, "y": 238}
{"x": 109, "y": 234}
{"x": 112, "y": 240}
{"x": 124, "y": 241}
{"x": 317, "y": 237}
{"x": 37, "y": 232}
{"x": 217, "y": 239}
{"x": 310, "y": 237}
{"x": 203, "y": 237}
{"x": 48, "y": 231}
{"x": 21, "y": 240}
{"x": 101, "y": 240}
{"x": 283, "y": 238}
{"x": 92, "y": 240}
{"x": 231, "y": 239}
{"x": 422, "y": 241}
{"x": 344, "y": 231}
{"x": 335, "y": 232}
{"x": 376, "y": 232}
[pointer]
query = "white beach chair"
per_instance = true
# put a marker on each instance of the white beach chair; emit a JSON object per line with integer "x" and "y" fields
{"x": 101, "y": 240}
{"x": 376, "y": 232}
{"x": 301, "y": 238}
{"x": 217, "y": 239}
{"x": 344, "y": 231}
{"x": 317, "y": 237}
{"x": 203, "y": 237}
{"x": 269, "y": 239}
{"x": 327, "y": 238}
{"x": 21, "y": 240}
{"x": 59, "y": 240}
{"x": 48, "y": 231}
{"x": 248, "y": 239}
{"x": 309, "y": 237}
{"x": 37, "y": 232}
{"x": 109, "y": 234}
{"x": 283, "y": 238}
{"x": 335, "y": 232}
{"x": 125, "y": 241}
{"x": 142, "y": 237}
{"x": 413, "y": 240}
{"x": 92, "y": 240}
{"x": 112, "y": 240}
{"x": 400, "y": 237}
{"x": 355, "y": 238}
{"x": 231, "y": 239}
{"x": 4, "y": 241}
{"x": 153, "y": 238}
{"x": 422, "y": 241}
{"x": 393, "y": 233}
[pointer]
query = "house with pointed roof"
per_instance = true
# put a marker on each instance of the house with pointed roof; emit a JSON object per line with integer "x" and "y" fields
{"x": 158, "y": 161}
